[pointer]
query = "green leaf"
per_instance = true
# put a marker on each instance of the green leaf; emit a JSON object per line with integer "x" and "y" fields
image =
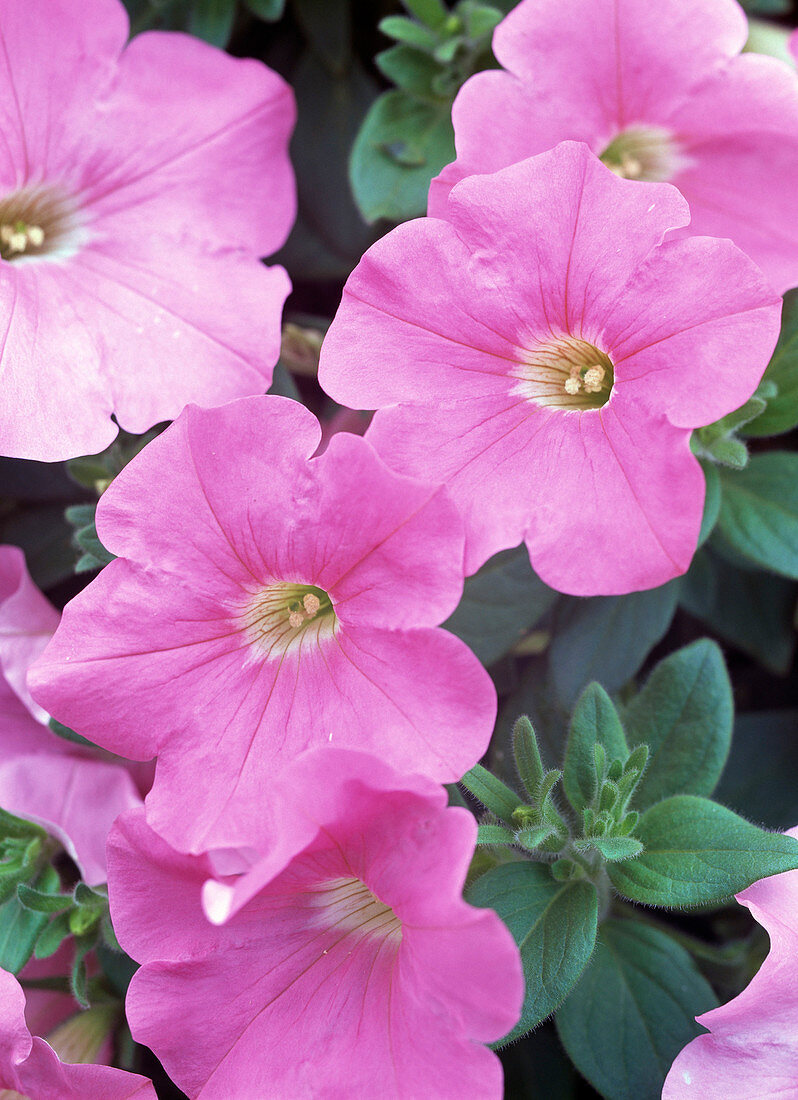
{"x": 270, "y": 10}
{"x": 20, "y": 927}
{"x": 495, "y": 834}
{"x": 699, "y": 853}
{"x": 42, "y": 902}
{"x": 527, "y": 756}
{"x": 750, "y": 609}
{"x": 554, "y": 925}
{"x": 633, "y": 1011}
{"x": 607, "y": 638}
{"x": 499, "y": 604}
{"x": 613, "y": 848}
{"x": 684, "y": 714}
{"x": 18, "y": 827}
{"x": 711, "y": 502}
{"x": 759, "y": 512}
{"x": 432, "y": 12}
{"x": 53, "y": 936}
{"x": 412, "y": 70}
{"x": 409, "y": 32}
{"x": 781, "y": 413}
{"x": 402, "y": 144}
{"x": 78, "y": 976}
{"x": 595, "y": 721}
{"x": 492, "y": 793}
{"x": 212, "y": 20}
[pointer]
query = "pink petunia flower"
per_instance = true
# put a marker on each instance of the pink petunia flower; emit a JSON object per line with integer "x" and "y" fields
{"x": 139, "y": 186}
{"x": 71, "y": 791}
{"x": 545, "y": 354}
{"x": 751, "y": 1051}
{"x": 344, "y": 960}
{"x": 264, "y": 601}
{"x": 31, "y": 1068}
{"x": 659, "y": 92}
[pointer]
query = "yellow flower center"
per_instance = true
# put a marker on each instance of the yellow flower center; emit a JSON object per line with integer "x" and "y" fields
{"x": 644, "y": 153}
{"x": 283, "y": 616}
{"x": 566, "y": 373}
{"x": 347, "y": 905}
{"x": 39, "y": 221}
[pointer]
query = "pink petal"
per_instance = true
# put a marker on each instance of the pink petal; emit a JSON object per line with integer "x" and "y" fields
{"x": 699, "y": 354}
{"x": 219, "y": 172}
{"x": 27, "y": 621}
{"x": 76, "y": 800}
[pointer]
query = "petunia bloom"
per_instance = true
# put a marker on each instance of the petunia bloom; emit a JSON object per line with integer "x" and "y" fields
{"x": 263, "y": 601}
{"x": 543, "y": 352}
{"x": 751, "y": 1050}
{"x": 29, "y": 1067}
{"x": 74, "y": 792}
{"x": 659, "y": 92}
{"x": 345, "y": 957}
{"x": 139, "y": 186}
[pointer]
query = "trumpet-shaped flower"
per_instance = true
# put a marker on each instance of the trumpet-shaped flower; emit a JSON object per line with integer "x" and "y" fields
{"x": 659, "y": 92}
{"x": 751, "y": 1050}
{"x": 139, "y": 186}
{"x": 73, "y": 792}
{"x": 29, "y": 1067}
{"x": 263, "y": 601}
{"x": 344, "y": 957}
{"x": 543, "y": 352}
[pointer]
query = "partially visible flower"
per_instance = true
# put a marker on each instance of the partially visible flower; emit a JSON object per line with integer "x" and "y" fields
{"x": 139, "y": 186}
{"x": 74, "y": 792}
{"x": 751, "y": 1051}
{"x": 31, "y": 1069}
{"x": 659, "y": 92}
{"x": 543, "y": 353}
{"x": 263, "y": 601}
{"x": 345, "y": 962}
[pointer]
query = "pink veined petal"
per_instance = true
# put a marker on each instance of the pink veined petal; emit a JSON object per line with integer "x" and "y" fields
{"x": 625, "y": 488}
{"x": 79, "y": 45}
{"x": 142, "y": 866}
{"x": 316, "y": 1000}
{"x": 48, "y": 367}
{"x": 700, "y": 354}
{"x": 401, "y": 533}
{"x": 616, "y": 53}
{"x": 200, "y": 516}
{"x": 74, "y": 799}
{"x": 20, "y": 732}
{"x": 223, "y": 344}
{"x": 92, "y": 677}
{"x": 31, "y": 1068}
{"x": 219, "y": 172}
{"x": 353, "y": 693}
{"x": 27, "y": 621}
{"x": 459, "y": 312}
{"x": 481, "y": 447}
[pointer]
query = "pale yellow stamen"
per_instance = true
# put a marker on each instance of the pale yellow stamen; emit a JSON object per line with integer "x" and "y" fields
{"x": 17, "y": 237}
{"x": 594, "y": 376}
{"x": 311, "y": 604}
{"x": 572, "y": 385}
{"x": 296, "y": 618}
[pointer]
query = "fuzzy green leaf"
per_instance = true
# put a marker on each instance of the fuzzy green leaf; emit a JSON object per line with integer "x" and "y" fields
{"x": 633, "y": 1011}
{"x": 699, "y": 853}
{"x": 554, "y": 925}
